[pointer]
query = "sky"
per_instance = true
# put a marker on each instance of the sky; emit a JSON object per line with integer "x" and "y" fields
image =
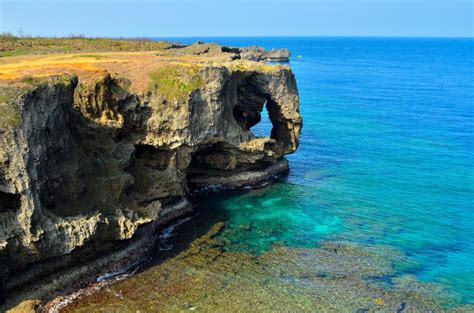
{"x": 173, "y": 18}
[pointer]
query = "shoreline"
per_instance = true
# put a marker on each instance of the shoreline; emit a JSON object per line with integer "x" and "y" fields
{"x": 133, "y": 255}
{"x": 282, "y": 278}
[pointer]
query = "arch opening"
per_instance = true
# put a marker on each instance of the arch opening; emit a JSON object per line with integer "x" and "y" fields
{"x": 264, "y": 127}
{"x": 252, "y": 109}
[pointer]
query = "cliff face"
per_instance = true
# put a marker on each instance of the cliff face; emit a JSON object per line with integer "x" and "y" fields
{"x": 88, "y": 164}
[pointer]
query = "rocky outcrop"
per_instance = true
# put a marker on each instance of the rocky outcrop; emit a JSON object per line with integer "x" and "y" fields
{"x": 91, "y": 164}
{"x": 252, "y": 53}
{"x": 255, "y": 53}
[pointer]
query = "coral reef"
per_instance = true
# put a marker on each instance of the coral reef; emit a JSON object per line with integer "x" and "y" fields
{"x": 202, "y": 275}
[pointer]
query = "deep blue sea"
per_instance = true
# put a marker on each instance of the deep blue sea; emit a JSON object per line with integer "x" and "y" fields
{"x": 386, "y": 154}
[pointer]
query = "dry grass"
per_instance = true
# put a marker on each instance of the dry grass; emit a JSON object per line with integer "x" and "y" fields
{"x": 13, "y": 46}
{"x": 138, "y": 67}
{"x": 170, "y": 71}
{"x": 15, "y": 67}
{"x": 244, "y": 65}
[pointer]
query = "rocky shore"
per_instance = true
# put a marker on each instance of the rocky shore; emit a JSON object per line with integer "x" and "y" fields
{"x": 100, "y": 150}
{"x": 200, "y": 274}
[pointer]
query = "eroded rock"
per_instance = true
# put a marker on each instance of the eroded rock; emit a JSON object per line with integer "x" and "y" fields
{"x": 255, "y": 53}
{"x": 90, "y": 163}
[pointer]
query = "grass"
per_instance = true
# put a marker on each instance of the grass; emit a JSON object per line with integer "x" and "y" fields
{"x": 173, "y": 73}
{"x": 91, "y": 56}
{"x": 9, "y": 94}
{"x": 9, "y": 113}
{"x": 35, "y": 81}
{"x": 176, "y": 81}
{"x": 11, "y": 45}
{"x": 243, "y": 65}
{"x": 28, "y": 79}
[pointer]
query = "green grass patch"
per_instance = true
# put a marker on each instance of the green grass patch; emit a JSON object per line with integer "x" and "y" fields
{"x": 243, "y": 65}
{"x": 28, "y": 79}
{"x": 10, "y": 93}
{"x": 34, "y": 81}
{"x": 92, "y": 56}
{"x": 8, "y": 37}
{"x": 9, "y": 113}
{"x": 176, "y": 81}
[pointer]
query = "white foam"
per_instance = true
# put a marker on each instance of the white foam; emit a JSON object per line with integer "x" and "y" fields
{"x": 168, "y": 231}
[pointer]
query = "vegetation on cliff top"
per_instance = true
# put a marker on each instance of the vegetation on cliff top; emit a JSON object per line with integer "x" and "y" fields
{"x": 12, "y": 46}
{"x": 245, "y": 65}
{"x": 170, "y": 70}
{"x": 9, "y": 113}
{"x": 176, "y": 81}
{"x": 10, "y": 93}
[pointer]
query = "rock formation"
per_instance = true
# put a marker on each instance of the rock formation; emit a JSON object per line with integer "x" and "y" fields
{"x": 259, "y": 54}
{"x": 252, "y": 53}
{"x": 89, "y": 164}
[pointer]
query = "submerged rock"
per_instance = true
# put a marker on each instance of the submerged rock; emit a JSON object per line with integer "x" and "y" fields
{"x": 283, "y": 279}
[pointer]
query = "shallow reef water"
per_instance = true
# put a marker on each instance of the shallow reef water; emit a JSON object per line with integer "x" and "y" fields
{"x": 204, "y": 274}
{"x": 377, "y": 213}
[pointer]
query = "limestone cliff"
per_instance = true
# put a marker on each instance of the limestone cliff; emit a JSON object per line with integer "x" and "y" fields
{"x": 90, "y": 161}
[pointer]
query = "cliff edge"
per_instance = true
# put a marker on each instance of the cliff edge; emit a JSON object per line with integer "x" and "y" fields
{"x": 96, "y": 148}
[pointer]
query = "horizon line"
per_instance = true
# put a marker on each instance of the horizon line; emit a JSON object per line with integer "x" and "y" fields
{"x": 306, "y": 36}
{"x": 243, "y": 36}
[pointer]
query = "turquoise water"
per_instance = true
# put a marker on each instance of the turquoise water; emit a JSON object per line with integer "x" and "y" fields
{"x": 386, "y": 156}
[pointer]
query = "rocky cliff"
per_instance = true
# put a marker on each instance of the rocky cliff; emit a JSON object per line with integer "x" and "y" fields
{"x": 86, "y": 162}
{"x": 254, "y": 53}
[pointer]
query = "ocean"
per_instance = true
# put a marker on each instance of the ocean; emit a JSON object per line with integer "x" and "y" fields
{"x": 384, "y": 172}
